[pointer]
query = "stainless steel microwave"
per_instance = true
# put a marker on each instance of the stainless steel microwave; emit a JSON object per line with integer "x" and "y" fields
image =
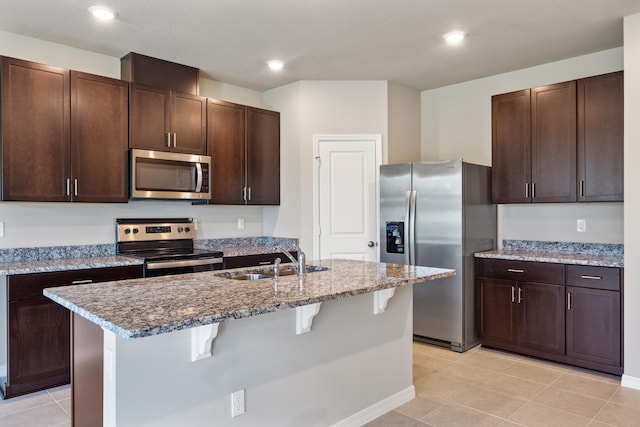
{"x": 163, "y": 175}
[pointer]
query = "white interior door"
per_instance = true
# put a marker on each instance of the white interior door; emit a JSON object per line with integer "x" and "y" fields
{"x": 346, "y": 196}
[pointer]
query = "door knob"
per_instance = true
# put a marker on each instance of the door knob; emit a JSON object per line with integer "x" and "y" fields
{"x": 371, "y": 244}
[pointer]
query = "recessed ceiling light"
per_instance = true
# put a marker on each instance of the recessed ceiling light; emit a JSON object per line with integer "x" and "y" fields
{"x": 275, "y": 65}
{"x": 102, "y": 13}
{"x": 454, "y": 37}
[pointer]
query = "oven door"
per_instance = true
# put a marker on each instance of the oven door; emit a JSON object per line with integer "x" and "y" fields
{"x": 182, "y": 266}
{"x": 162, "y": 175}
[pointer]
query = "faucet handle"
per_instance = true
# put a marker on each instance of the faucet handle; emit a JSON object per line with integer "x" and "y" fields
{"x": 302, "y": 262}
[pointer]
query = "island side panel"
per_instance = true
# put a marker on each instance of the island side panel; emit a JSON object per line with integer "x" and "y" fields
{"x": 86, "y": 372}
{"x": 350, "y": 361}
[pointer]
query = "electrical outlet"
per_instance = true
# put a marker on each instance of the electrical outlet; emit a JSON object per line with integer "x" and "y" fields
{"x": 581, "y": 226}
{"x": 237, "y": 403}
{"x": 240, "y": 223}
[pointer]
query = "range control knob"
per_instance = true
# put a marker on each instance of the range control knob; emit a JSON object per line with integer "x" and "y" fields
{"x": 180, "y": 229}
{"x": 187, "y": 229}
{"x": 127, "y": 231}
{"x": 135, "y": 231}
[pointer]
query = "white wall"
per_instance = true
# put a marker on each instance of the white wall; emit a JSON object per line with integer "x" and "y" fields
{"x": 404, "y": 125}
{"x": 631, "y": 200}
{"x": 318, "y": 107}
{"x": 49, "y": 224}
{"x": 456, "y": 123}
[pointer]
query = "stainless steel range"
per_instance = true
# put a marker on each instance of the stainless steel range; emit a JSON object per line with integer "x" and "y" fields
{"x": 166, "y": 245}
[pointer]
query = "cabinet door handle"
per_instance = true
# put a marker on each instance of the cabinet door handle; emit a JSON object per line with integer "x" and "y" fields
{"x": 174, "y": 140}
{"x": 249, "y": 193}
{"x": 513, "y": 294}
{"x": 244, "y": 193}
{"x": 75, "y": 187}
{"x": 81, "y": 282}
{"x": 515, "y": 270}
{"x": 591, "y": 277}
{"x": 519, "y": 295}
{"x": 582, "y": 188}
{"x": 168, "y": 140}
{"x": 569, "y": 301}
{"x": 533, "y": 190}
{"x": 526, "y": 190}
{"x": 68, "y": 191}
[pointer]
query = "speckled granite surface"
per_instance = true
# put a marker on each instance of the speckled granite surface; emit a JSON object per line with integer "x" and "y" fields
{"x": 246, "y": 246}
{"x": 58, "y": 258}
{"x": 152, "y": 306}
{"x": 26, "y": 267}
{"x": 596, "y": 254}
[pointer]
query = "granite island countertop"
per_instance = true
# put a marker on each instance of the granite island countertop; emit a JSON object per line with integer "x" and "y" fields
{"x": 151, "y": 306}
{"x": 599, "y": 255}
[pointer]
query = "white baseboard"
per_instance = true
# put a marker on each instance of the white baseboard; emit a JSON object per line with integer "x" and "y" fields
{"x": 630, "y": 382}
{"x": 378, "y": 409}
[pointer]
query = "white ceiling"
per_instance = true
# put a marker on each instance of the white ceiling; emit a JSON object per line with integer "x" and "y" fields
{"x": 396, "y": 40}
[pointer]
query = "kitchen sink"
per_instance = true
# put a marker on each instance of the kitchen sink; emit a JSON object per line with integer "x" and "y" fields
{"x": 268, "y": 274}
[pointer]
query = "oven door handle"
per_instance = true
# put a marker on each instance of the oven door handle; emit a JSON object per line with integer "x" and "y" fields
{"x": 156, "y": 265}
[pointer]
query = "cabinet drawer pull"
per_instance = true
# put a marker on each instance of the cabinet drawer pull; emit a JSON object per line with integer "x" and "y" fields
{"x": 591, "y": 277}
{"x": 264, "y": 263}
{"x": 515, "y": 270}
{"x": 569, "y": 301}
{"x": 513, "y": 294}
{"x": 81, "y": 282}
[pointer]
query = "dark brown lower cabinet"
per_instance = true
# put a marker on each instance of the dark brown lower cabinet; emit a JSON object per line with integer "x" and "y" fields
{"x": 515, "y": 314}
{"x": 577, "y": 320}
{"x": 38, "y": 344}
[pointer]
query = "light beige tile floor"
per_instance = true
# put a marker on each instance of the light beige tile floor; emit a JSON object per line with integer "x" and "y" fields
{"x": 42, "y": 409}
{"x": 480, "y": 387}
{"x": 484, "y": 387}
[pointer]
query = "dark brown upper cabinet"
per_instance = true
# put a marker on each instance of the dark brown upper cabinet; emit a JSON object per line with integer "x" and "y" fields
{"x": 164, "y": 120}
{"x": 244, "y": 145}
{"x": 553, "y": 143}
{"x": 601, "y": 138}
{"x": 64, "y": 135}
{"x": 511, "y": 147}
{"x": 559, "y": 143}
{"x": 99, "y": 138}
{"x": 154, "y": 72}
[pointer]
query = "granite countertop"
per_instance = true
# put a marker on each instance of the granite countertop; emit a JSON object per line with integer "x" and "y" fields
{"x": 79, "y": 257}
{"x": 600, "y": 255}
{"x": 48, "y": 265}
{"x": 143, "y": 307}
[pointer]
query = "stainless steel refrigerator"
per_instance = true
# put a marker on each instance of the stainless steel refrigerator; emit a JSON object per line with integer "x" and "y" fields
{"x": 438, "y": 215}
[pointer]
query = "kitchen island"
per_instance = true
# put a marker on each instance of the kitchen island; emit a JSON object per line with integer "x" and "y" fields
{"x": 331, "y": 348}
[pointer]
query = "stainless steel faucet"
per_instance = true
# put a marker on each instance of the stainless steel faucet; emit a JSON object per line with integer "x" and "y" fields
{"x": 300, "y": 264}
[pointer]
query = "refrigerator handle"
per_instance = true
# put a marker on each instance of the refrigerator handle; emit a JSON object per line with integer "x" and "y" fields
{"x": 407, "y": 237}
{"x": 412, "y": 229}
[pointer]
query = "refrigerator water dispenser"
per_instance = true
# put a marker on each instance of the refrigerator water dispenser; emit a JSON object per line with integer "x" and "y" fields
{"x": 395, "y": 237}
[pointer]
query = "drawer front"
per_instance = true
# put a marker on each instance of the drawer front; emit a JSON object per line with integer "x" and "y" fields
{"x": 29, "y": 286}
{"x": 525, "y": 271}
{"x": 586, "y": 276}
{"x": 255, "y": 260}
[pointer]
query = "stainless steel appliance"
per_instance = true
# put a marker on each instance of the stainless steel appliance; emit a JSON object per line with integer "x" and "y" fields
{"x": 438, "y": 215}
{"x": 166, "y": 245}
{"x": 162, "y": 175}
